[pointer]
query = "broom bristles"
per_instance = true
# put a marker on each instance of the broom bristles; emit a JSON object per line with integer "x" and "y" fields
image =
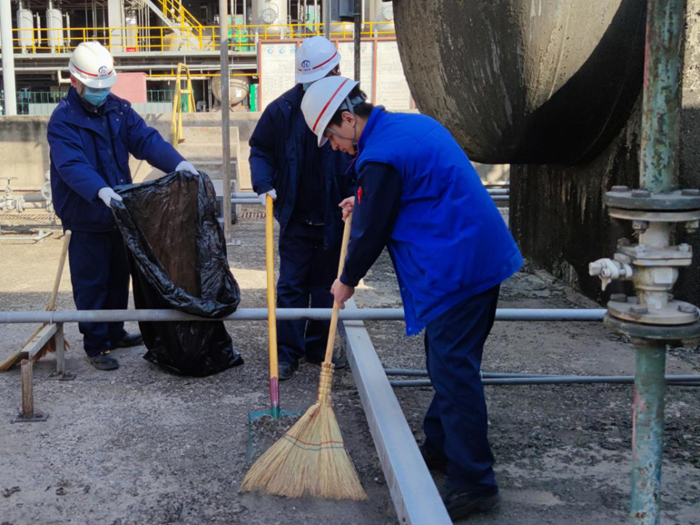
{"x": 309, "y": 460}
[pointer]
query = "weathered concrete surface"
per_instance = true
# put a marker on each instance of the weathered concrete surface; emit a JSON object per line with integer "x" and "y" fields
{"x": 141, "y": 446}
{"x": 524, "y": 81}
{"x": 557, "y": 212}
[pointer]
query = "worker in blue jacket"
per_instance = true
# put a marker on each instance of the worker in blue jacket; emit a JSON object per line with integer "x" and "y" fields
{"x": 418, "y": 194}
{"x": 91, "y": 134}
{"x": 307, "y": 184}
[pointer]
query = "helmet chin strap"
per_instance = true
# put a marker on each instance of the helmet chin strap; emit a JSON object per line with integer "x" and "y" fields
{"x": 349, "y": 105}
{"x": 354, "y": 134}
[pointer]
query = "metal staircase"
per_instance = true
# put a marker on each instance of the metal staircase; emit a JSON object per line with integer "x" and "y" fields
{"x": 178, "y": 18}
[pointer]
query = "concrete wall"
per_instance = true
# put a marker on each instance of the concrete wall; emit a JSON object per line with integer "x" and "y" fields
{"x": 24, "y": 151}
{"x": 557, "y": 212}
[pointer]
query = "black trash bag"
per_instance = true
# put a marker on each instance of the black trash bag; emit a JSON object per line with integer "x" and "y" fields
{"x": 177, "y": 255}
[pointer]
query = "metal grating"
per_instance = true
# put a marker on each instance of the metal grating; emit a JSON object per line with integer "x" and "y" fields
{"x": 250, "y": 214}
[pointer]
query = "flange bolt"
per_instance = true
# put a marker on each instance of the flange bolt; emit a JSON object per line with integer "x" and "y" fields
{"x": 687, "y": 308}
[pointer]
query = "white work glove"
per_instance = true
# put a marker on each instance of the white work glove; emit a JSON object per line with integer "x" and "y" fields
{"x": 263, "y": 196}
{"x": 186, "y": 166}
{"x": 107, "y": 194}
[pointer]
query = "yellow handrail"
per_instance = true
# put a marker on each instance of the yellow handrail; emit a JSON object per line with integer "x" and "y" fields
{"x": 176, "y": 123}
{"x": 175, "y": 10}
{"x": 202, "y": 38}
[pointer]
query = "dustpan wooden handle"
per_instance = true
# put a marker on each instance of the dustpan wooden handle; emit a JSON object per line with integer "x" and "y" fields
{"x": 271, "y": 306}
{"x": 336, "y": 307}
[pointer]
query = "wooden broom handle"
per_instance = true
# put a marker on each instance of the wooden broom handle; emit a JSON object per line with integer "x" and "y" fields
{"x": 59, "y": 271}
{"x": 336, "y": 307}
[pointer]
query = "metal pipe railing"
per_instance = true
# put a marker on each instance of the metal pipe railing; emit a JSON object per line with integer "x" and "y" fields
{"x": 678, "y": 380}
{"x": 254, "y": 196}
{"x": 284, "y": 314}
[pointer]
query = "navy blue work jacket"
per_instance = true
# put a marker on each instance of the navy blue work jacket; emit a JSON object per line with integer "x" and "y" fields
{"x": 276, "y": 149}
{"x": 90, "y": 150}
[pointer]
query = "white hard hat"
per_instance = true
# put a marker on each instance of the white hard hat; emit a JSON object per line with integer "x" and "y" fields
{"x": 93, "y": 65}
{"x": 322, "y": 100}
{"x": 316, "y": 57}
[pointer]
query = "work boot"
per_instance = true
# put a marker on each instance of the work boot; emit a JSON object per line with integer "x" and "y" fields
{"x": 433, "y": 461}
{"x": 461, "y": 503}
{"x": 104, "y": 361}
{"x": 129, "y": 341}
{"x": 287, "y": 369}
{"x": 339, "y": 361}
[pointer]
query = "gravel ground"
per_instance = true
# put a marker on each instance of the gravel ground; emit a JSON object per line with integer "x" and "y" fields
{"x": 142, "y": 446}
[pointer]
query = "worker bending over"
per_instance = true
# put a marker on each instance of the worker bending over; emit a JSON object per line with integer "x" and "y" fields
{"x": 418, "y": 194}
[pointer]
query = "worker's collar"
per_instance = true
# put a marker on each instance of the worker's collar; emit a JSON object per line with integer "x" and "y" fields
{"x": 374, "y": 117}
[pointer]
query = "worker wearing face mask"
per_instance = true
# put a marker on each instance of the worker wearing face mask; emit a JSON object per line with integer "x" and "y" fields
{"x": 91, "y": 134}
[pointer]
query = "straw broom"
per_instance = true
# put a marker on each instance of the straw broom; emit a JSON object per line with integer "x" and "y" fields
{"x": 310, "y": 459}
{"x": 50, "y": 346}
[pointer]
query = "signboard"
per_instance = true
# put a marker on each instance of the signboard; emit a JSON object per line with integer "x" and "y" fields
{"x": 276, "y": 71}
{"x": 347, "y": 64}
{"x": 392, "y": 88}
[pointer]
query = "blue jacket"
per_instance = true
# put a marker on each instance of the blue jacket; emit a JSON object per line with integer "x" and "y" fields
{"x": 275, "y": 162}
{"x": 90, "y": 150}
{"x": 449, "y": 242}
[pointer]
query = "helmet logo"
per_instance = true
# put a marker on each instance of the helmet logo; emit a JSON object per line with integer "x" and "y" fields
{"x": 102, "y": 71}
{"x": 306, "y": 65}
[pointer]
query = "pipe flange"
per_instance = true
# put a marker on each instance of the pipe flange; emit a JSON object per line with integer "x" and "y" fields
{"x": 629, "y": 199}
{"x": 654, "y": 216}
{"x": 641, "y": 255}
{"x": 667, "y": 333}
{"x": 673, "y": 314}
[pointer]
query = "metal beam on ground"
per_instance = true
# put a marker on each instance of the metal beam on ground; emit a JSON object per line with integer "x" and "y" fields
{"x": 284, "y": 314}
{"x": 415, "y": 496}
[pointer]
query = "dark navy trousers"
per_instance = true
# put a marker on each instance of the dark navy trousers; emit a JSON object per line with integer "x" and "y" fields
{"x": 456, "y": 424}
{"x": 100, "y": 277}
{"x": 307, "y": 272}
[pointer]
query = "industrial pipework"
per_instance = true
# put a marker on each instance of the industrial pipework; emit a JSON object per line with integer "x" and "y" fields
{"x": 653, "y": 318}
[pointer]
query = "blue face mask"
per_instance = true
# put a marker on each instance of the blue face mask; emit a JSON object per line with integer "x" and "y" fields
{"x": 96, "y": 97}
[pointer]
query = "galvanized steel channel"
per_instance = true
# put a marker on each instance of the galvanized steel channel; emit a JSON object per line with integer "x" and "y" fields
{"x": 415, "y": 496}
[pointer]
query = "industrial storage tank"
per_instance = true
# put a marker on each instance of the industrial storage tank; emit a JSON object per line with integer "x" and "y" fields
{"x": 239, "y": 88}
{"x": 269, "y": 13}
{"x": 524, "y": 81}
{"x": 54, "y": 27}
{"x": 25, "y": 26}
{"x": 382, "y": 12}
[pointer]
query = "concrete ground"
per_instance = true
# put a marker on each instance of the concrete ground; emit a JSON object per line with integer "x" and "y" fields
{"x": 140, "y": 445}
